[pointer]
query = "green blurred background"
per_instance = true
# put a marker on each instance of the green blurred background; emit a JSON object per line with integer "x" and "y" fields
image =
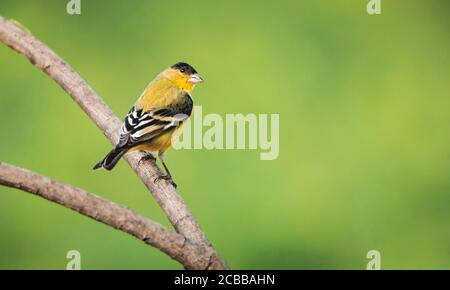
{"x": 364, "y": 104}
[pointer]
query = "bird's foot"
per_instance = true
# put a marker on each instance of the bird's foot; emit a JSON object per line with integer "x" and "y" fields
{"x": 167, "y": 178}
{"x": 147, "y": 157}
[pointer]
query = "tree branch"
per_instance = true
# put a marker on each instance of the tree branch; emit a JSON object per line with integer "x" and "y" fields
{"x": 165, "y": 194}
{"x": 191, "y": 255}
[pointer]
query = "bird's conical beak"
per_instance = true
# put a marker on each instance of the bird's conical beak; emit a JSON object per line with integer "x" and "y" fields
{"x": 195, "y": 79}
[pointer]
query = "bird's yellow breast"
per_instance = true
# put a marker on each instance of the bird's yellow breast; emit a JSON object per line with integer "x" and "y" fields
{"x": 162, "y": 92}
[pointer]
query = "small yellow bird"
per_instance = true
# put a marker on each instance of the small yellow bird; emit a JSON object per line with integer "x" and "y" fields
{"x": 158, "y": 114}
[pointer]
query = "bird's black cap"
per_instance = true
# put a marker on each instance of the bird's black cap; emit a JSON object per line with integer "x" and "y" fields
{"x": 184, "y": 68}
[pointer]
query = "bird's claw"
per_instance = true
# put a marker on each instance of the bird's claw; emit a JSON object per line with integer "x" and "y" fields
{"x": 147, "y": 157}
{"x": 167, "y": 178}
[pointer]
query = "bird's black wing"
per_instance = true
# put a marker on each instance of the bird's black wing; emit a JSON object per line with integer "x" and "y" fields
{"x": 140, "y": 126}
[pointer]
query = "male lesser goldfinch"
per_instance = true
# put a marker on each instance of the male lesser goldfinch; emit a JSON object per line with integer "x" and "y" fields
{"x": 159, "y": 112}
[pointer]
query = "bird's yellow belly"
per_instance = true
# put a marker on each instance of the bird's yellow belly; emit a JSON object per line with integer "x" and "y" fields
{"x": 158, "y": 144}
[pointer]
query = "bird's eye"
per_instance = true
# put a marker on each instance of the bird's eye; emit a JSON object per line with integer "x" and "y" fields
{"x": 182, "y": 70}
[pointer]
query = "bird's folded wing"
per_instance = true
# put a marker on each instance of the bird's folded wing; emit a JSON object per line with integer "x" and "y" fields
{"x": 140, "y": 127}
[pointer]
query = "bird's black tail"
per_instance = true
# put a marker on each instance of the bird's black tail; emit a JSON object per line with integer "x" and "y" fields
{"x": 111, "y": 159}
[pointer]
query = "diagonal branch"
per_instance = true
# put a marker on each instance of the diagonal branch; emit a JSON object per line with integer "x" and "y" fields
{"x": 191, "y": 255}
{"x": 165, "y": 194}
